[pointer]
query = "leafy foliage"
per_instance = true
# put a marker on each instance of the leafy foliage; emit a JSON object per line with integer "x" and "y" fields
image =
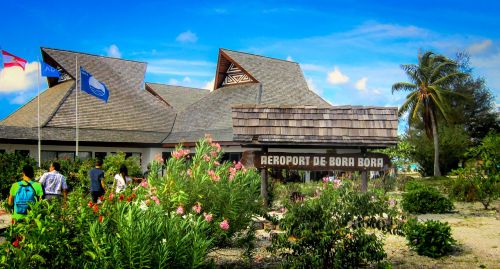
{"x": 163, "y": 222}
{"x": 431, "y": 238}
{"x": 421, "y": 199}
{"x": 11, "y": 167}
{"x": 475, "y": 185}
{"x": 429, "y": 92}
{"x": 454, "y": 144}
{"x": 330, "y": 231}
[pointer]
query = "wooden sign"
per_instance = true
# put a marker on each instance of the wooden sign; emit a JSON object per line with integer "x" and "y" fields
{"x": 322, "y": 162}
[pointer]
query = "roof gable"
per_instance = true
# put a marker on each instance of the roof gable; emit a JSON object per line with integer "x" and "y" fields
{"x": 230, "y": 72}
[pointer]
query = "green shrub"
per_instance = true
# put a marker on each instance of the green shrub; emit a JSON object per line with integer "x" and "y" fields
{"x": 422, "y": 199}
{"x": 330, "y": 231}
{"x": 431, "y": 238}
{"x": 11, "y": 166}
{"x": 227, "y": 190}
{"x": 475, "y": 185}
{"x": 171, "y": 221}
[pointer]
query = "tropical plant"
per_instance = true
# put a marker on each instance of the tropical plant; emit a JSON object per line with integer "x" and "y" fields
{"x": 429, "y": 89}
{"x": 430, "y": 238}
{"x": 420, "y": 199}
{"x": 329, "y": 231}
{"x": 474, "y": 184}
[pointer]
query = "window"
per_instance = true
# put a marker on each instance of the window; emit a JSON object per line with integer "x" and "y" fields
{"x": 48, "y": 155}
{"x": 100, "y": 155}
{"x": 165, "y": 156}
{"x": 24, "y": 153}
{"x": 2, "y": 151}
{"x": 134, "y": 154}
{"x": 231, "y": 157}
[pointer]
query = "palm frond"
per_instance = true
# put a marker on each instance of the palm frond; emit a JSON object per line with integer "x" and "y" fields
{"x": 403, "y": 86}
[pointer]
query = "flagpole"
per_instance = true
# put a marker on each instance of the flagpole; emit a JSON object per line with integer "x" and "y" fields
{"x": 76, "y": 87}
{"x": 38, "y": 114}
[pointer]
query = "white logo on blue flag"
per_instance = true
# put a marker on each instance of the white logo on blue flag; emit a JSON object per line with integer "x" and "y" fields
{"x": 49, "y": 71}
{"x": 92, "y": 86}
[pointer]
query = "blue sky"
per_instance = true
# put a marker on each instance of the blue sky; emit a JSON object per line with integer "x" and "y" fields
{"x": 350, "y": 51}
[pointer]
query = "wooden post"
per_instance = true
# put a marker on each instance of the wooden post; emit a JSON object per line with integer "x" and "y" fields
{"x": 364, "y": 181}
{"x": 364, "y": 176}
{"x": 263, "y": 183}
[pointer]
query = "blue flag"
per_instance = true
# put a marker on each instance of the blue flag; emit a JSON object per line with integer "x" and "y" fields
{"x": 49, "y": 71}
{"x": 93, "y": 86}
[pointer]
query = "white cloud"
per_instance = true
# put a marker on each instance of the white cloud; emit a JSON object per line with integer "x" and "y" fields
{"x": 209, "y": 85}
{"x": 20, "y": 99}
{"x": 14, "y": 79}
{"x": 313, "y": 87}
{"x": 479, "y": 46}
{"x": 289, "y": 58}
{"x": 187, "y": 37}
{"x": 361, "y": 84}
{"x": 113, "y": 51}
{"x": 173, "y": 81}
{"x": 336, "y": 77}
{"x": 178, "y": 67}
{"x": 186, "y": 80}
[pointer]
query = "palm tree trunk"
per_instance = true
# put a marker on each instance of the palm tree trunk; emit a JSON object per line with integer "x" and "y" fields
{"x": 435, "y": 136}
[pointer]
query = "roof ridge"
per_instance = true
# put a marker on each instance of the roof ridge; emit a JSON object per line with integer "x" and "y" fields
{"x": 262, "y": 56}
{"x": 176, "y": 86}
{"x": 68, "y": 92}
{"x": 99, "y": 129}
{"x": 95, "y": 55}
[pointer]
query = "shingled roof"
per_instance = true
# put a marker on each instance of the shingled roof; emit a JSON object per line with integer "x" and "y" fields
{"x": 130, "y": 110}
{"x": 273, "y": 81}
{"x": 344, "y": 126}
{"x": 178, "y": 97}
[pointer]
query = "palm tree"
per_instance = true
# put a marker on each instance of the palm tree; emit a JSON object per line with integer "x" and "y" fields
{"x": 429, "y": 85}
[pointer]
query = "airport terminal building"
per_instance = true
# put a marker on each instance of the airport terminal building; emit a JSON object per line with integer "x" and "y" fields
{"x": 257, "y": 103}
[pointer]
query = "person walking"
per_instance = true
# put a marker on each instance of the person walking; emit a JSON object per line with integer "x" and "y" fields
{"x": 24, "y": 192}
{"x": 54, "y": 183}
{"x": 122, "y": 179}
{"x": 97, "y": 187}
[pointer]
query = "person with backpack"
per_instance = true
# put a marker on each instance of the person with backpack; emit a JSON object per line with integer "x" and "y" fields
{"x": 24, "y": 192}
{"x": 54, "y": 183}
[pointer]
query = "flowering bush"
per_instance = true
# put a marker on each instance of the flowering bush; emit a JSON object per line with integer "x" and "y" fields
{"x": 162, "y": 222}
{"x": 222, "y": 191}
{"x": 329, "y": 231}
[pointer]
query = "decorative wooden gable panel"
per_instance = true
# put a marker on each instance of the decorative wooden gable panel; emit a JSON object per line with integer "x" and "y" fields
{"x": 234, "y": 75}
{"x": 230, "y": 72}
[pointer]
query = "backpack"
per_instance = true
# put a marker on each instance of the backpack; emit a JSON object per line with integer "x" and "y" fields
{"x": 24, "y": 195}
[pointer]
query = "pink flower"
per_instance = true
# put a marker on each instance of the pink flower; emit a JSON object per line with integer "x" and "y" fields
{"x": 208, "y": 137}
{"x": 325, "y": 180}
{"x": 216, "y": 163}
{"x": 283, "y": 210}
{"x": 144, "y": 184}
{"x": 208, "y": 217}
{"x": 189, "y": 172}
{"x": 217, "y": 146}
{"x": 197, "y": 208}
{"x": 224, "y": 225}
{"x": 111, "y": 195}
{"x": 180, "y": 210}
{"x": 206, "y": 158}
{"x": 155, "y": 198}
{"x": 213, "y": 175}
{"x": 232, "y": 173}
{"x": 159, "y": 158}
{"x": 213, "y": 154}
{"x": 178, "y": 154}
{"x": 336, "y": 183}
{"x": 392, "y": 202}
{"x": 238, "y": 166}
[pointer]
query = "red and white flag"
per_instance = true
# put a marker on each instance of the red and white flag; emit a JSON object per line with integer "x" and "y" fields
{"x": 10, "y": 60}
